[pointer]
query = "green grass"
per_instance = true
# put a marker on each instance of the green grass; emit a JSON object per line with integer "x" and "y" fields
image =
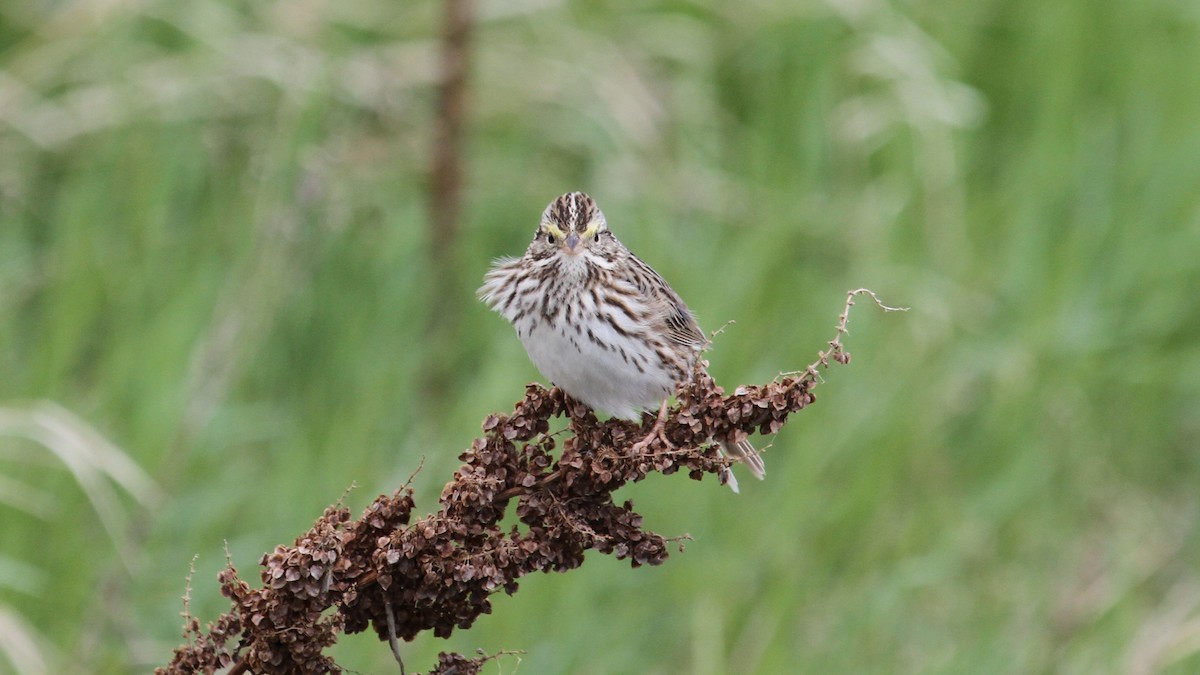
{"x": 214, "y": 249}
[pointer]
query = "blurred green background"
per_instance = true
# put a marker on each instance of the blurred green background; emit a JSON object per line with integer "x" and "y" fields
{"x": 221, "y": 305}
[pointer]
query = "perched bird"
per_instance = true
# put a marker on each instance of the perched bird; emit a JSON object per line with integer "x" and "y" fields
{"x": 596, "y": 320}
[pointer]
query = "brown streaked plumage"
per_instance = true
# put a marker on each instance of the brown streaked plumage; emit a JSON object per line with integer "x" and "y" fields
{"x": 596, "y": 320}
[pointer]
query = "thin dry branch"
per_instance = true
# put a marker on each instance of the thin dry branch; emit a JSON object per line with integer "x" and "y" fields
{"x": 400, "y": 578}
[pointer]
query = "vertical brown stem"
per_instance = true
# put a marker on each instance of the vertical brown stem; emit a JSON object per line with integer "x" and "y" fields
{"x": 446, "y": 180}
{"x": 445, "y": 189}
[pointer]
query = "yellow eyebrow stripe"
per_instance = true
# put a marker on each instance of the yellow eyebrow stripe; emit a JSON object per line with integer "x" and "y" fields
{"x": 553, "y": 229}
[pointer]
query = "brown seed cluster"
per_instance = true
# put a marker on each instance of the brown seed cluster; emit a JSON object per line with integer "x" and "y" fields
{"x": 439, "y": 573}
{"x": 400, "y": 577}
{"x": 205, "y": 651}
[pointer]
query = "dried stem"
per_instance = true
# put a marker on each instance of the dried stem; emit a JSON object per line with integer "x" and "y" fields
{"x": 445, "y": 187}
{"x": 447, "y": 168}
{"x": 400, "y": 578}
{"x": 392, "y": 641}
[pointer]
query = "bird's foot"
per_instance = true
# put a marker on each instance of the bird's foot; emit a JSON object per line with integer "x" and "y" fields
{"x": 655, "y": 431}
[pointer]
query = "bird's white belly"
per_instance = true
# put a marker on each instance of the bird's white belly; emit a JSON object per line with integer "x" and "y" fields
{"x": 618, "y": 379}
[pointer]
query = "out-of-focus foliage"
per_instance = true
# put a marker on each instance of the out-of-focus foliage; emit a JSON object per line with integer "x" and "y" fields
{"x": 214, "y": 253}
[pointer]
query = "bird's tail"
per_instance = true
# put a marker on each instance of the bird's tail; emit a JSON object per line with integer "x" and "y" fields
{"x": 744, "y": 452}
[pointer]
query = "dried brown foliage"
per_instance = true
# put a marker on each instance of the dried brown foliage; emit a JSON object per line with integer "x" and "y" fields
{"x": 399, "y": 577}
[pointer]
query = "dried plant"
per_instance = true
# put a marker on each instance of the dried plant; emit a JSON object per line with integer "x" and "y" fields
{"x": 399, "y": 577}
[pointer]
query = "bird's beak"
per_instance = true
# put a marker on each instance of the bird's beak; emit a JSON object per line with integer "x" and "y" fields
{"x": 571, "y": 242}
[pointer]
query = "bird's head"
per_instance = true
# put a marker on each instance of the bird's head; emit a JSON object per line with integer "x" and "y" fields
{"x": 571, "y": 225}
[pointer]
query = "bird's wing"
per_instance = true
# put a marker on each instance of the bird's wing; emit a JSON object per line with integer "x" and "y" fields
{"x": 668, "y": 310}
